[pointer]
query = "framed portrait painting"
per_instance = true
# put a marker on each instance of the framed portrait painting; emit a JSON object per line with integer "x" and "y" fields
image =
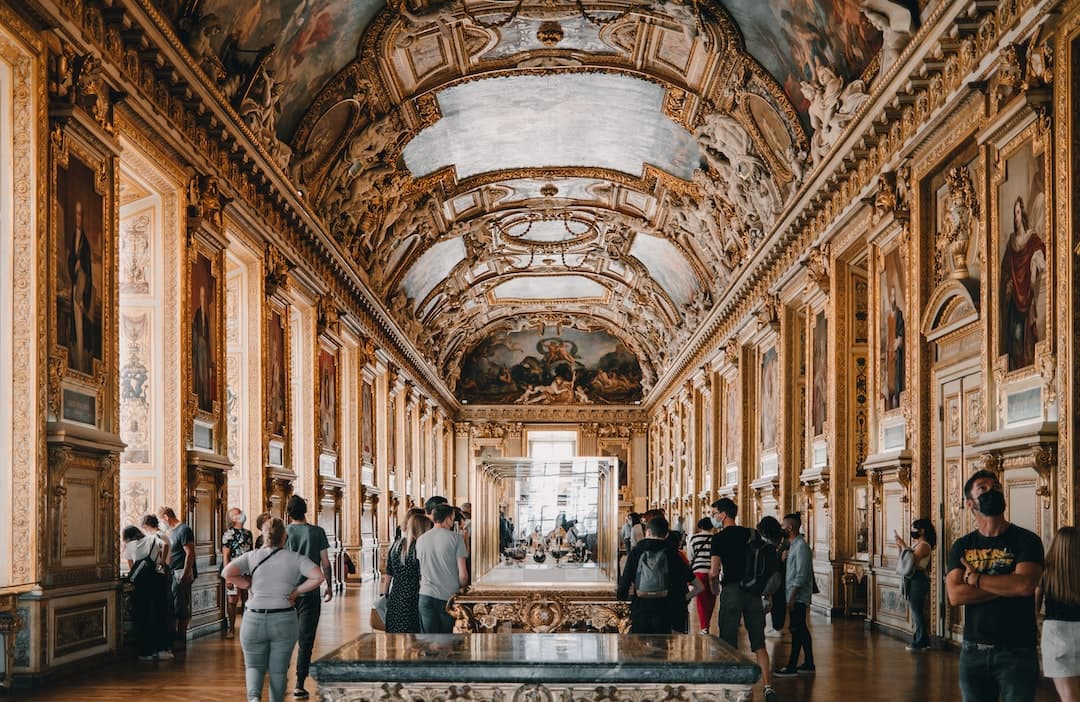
{"x": 367, "y": 422}
{"x": 277, "y": 373}
{"x": 769, "y": 398}
{"x": 203, "y": 326}
{"x": 892, "y": 332}
{"x": 328, "y": 400}
{"x": 80, "y": 279}
{"x": 1022, "y": 252}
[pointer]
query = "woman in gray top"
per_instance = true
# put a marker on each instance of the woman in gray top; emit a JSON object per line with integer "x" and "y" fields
{"x": 268, "y": 631}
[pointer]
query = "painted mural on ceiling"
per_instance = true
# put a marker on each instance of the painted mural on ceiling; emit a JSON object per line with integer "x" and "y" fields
{"x": 550, "y": 366}
{"x": 791, "y": 39}
{"x": 313, "y": 39}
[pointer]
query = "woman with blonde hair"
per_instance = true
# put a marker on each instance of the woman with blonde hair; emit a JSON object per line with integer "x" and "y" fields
{"x": 269, "y": 629}
{"x": 401, "y": 583}
{"x": 1060, "y": 591}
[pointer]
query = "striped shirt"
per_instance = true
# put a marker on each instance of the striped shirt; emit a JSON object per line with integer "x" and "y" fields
{"x": 699, "y": 551}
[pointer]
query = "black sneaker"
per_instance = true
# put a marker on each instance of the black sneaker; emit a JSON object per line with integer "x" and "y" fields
{"x": 770, "y": 694}
{"x": 300, "y": 694}
{"x": 787, "y": 671}
{"x": 806, "y": 669}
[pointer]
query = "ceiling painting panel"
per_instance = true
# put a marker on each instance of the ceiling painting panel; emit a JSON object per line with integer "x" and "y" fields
{"x": 554, "y": 287}
{"x": 566, "y": 119}
{"x": 790, "y": 39}
{"x": 314, "y": 39}
{"x": 667, "y": 265}
{"x": 550, "y": 366}
{"x": 432, "y": 268}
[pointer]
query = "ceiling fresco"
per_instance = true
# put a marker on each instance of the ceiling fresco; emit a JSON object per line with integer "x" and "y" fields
{"x": 548, "y": 196}
{"x": 550, "y": 366}
{"x": 566, "y": 119}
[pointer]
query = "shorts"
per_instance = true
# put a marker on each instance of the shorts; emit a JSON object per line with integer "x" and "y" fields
{"x": 181, "y": 597}
{"x": 1060, "y": 648}
{"x": 736, "y": 604}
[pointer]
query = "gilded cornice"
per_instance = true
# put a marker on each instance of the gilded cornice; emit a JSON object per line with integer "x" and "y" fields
{"x": 940, "y": 64}
{"x": 145, "y": 57}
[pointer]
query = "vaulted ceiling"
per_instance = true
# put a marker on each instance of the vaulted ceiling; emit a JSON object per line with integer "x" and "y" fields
{"x": 536, "y": 184}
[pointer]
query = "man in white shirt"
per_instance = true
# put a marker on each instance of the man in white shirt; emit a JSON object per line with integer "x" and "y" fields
{"x": 443, "y": 570}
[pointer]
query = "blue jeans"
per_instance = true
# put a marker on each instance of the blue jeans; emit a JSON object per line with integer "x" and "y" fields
{"x": 918, "y": 587}
{"x": 433, "y": 616}
{"x": 1008, "y": 674}
{"x": 268, "y": 641}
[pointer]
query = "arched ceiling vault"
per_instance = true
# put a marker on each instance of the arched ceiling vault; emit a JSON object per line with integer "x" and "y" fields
{"x": 507, "y": 173}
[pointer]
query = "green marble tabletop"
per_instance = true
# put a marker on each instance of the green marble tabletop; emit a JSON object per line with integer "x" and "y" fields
{"x": 561, "y": 657}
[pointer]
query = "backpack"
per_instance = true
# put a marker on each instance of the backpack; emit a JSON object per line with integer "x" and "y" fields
{"x": 651, "y": 579}
{"x": 144, "y": 571}
{"x": 761, "y": 575}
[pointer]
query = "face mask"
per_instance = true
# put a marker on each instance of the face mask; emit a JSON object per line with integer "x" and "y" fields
{"x": 992, "y": 503}
{"x": 914, "y": 534}
{"x": 717, "y": 524}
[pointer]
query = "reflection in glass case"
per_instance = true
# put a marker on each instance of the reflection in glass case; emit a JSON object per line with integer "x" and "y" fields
{"x": 545, "y": 522}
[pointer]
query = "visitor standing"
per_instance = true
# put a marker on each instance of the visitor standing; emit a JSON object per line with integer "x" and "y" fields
{"x": 1060, "y": 591}
{"x": 310, "y": 541}
{"x": 277, "y": 578}
{"x": 700, "y": 561}
{"x": 993, "y": 574}
{"x": 443, "y": 571}
{"x": 145, "y": 555}
{"x": 659, "y": 577}
{"x": 776, "y": 603}
{"x": 184, "y": 571}
{"x": 917, "y": 585}
{"x": 799, "y": 588}
{"x": 235, "y": 542}
{"x": 401, "y": 583}
{"x": 728, "y": 555}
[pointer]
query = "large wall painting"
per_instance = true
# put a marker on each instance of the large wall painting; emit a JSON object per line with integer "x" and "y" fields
{"x": 819, "y": 405}
{"x": 203, "y": 326}
{"x": 367, "y": 422}
{"x": 770, "y": 398}
{"x": 732, "y": 444}
{"x": 550, "y": 366}
{"x": 893, "y": 330}
{"x": 277, "y": 380}
{"x": 328, "y": 400}
{"x": 1021, "y": 200}
{"x": 80, "y": 275}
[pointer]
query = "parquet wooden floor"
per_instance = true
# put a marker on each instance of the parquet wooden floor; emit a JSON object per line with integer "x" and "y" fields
{"x": 853, "y": 665}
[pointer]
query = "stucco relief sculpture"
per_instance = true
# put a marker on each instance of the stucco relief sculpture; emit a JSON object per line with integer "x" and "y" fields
{"x": 896, "y": 24}
{"x": 737, "y": 168}
{"x": 260, "y": 106}
{"x": 960, "y": 217}
{"x": 832, "y": 106}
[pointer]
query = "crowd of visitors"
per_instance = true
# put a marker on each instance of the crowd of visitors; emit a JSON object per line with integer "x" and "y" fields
{"x": 746, "y": 577}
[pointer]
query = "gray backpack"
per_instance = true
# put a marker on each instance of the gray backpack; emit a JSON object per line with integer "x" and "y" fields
{"x": 651, "y": 579}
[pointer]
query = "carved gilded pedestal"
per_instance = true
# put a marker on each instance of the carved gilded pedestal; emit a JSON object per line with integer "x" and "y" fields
{"x": 539, "y": 612}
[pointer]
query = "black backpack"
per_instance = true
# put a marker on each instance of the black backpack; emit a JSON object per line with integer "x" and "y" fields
{"x": 145, "y": 570}
{"x": 651, "y": 578}
{"x": 761, "y": 575}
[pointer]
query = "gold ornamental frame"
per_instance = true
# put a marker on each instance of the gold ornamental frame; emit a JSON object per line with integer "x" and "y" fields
{"x": 215, "y": 418}
{"x": 1038, "y": 135}
{"x": 272, "y": 305}
{"x": 330, "y": 346}
{"x": 68, "y": 142}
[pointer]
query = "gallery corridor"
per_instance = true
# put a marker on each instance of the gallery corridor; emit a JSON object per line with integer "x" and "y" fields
{"x": 852, "y": 664}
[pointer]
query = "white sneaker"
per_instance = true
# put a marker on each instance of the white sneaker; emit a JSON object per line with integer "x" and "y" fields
{"x": 165, "y": 655}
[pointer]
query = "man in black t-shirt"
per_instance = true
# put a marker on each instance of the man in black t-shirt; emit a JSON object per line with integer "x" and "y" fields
{"x": 993, "y": 572}
{"x": 658, "y": 614}
{"x": 727, "y": 566}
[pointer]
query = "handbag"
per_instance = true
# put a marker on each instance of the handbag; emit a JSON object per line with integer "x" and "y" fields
{"x": 378, "y": 614}
{"x": 905, "y": 565}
